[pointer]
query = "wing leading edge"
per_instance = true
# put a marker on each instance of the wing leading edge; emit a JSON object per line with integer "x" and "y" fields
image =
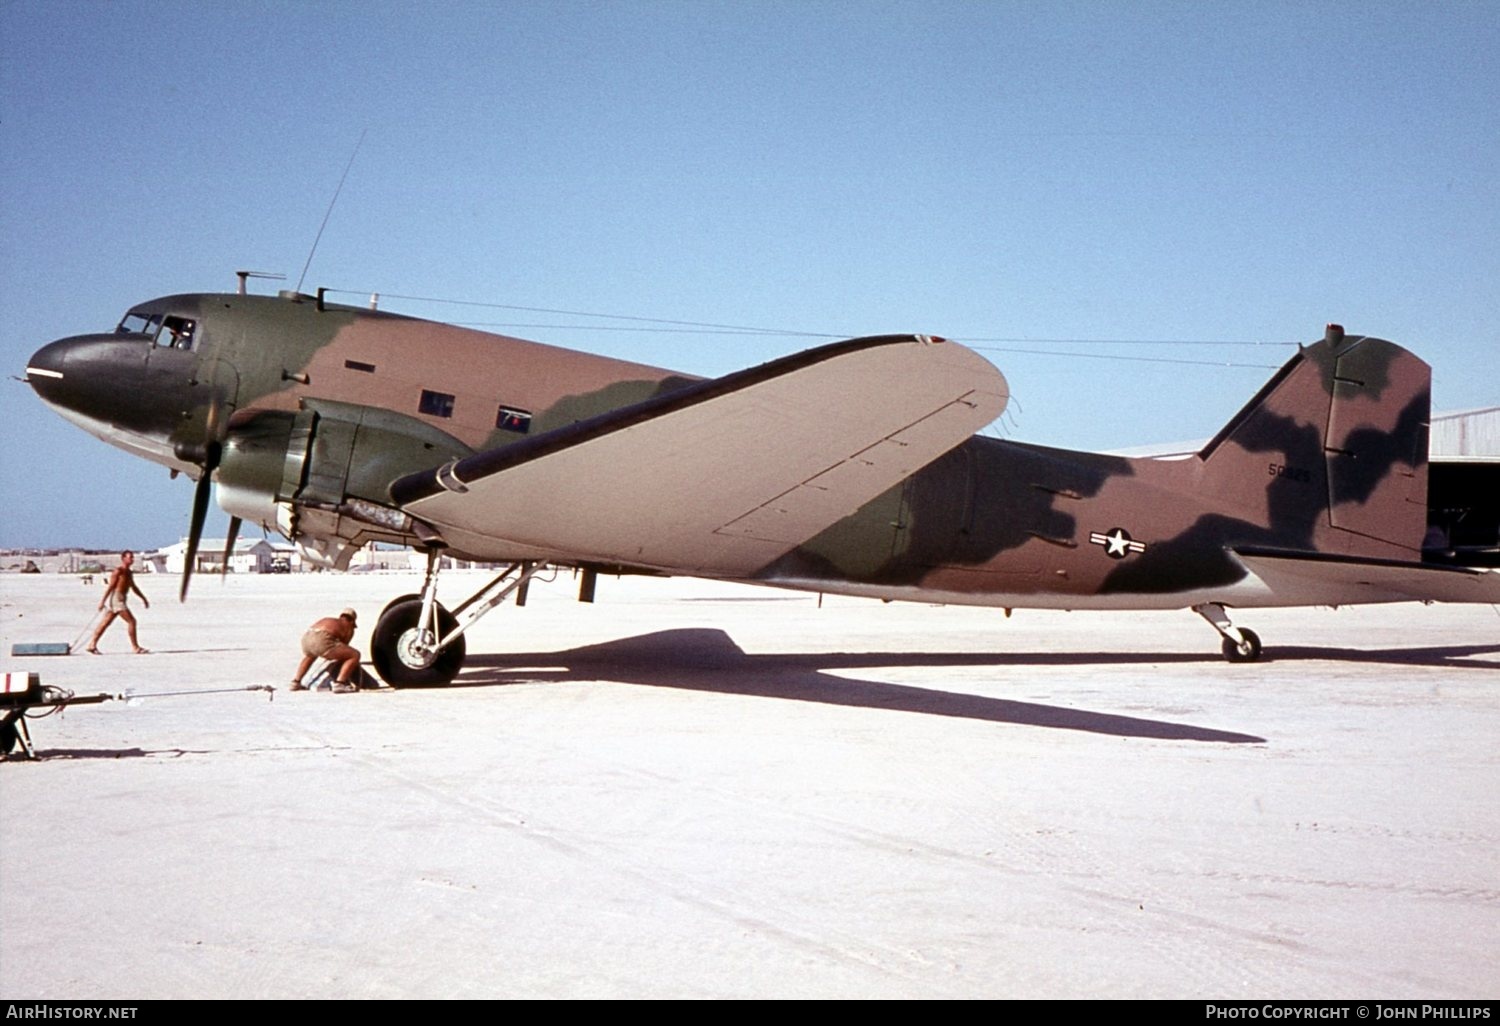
{"x": 725, "y": 475}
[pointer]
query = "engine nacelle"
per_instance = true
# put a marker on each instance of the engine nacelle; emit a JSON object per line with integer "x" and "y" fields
{"x": 320, "y": 475}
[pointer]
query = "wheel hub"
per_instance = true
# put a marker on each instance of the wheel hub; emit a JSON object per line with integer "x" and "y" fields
{"x": 415, "y": 648}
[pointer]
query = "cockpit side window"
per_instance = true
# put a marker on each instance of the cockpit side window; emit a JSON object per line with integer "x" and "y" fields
{"x": 177, "y": 332}
{"x": 165, "y": 330}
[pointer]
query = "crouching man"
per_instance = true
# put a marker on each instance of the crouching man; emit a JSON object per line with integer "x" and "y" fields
{"x": 329, "y": 639}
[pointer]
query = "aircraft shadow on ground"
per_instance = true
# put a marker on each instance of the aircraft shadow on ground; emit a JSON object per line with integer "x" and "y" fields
{"x": 709, "y": 660}
{"x": 1457, "y": 656}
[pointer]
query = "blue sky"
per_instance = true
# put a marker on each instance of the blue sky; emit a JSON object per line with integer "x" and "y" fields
{"x": 1017, "y": 171}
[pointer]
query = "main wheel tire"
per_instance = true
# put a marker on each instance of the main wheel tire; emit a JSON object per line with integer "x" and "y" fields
{"x": 1246, "y": 651}
{"x": 8, "y": 736}
{"x": 393, "y": 603}
{"x": 391, "y": 647}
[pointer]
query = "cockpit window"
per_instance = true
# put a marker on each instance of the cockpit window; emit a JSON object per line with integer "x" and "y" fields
{"x": 140, "y": 324}
{"x": 166, "y": 330}
{"x": 176, "y": 332}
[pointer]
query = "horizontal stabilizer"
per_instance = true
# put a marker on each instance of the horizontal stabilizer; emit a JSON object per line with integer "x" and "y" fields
{"x": 1337, "y": 580}
{"x": 725, "y": 475}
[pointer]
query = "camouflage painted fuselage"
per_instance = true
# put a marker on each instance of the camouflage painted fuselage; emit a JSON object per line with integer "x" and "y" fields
{"x": 1329, "y": 457}
{"x": 321, "y": 408}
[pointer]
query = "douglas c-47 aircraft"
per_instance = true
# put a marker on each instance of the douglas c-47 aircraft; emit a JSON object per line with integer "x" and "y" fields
{"x": 852, "y": 468}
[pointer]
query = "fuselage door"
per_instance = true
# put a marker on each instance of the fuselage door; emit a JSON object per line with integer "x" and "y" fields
{"x": 937, "y": 510}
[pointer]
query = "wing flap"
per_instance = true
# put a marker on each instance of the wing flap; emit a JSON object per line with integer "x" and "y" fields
{"x": 725, "y": 475}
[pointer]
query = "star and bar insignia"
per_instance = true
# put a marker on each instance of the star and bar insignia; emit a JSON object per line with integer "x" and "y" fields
{"x": 1117, "y": 543}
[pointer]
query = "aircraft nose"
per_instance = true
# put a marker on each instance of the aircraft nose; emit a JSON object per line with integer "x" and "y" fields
{"x": 96, "y": 375}
{"x": 46, "y": 370}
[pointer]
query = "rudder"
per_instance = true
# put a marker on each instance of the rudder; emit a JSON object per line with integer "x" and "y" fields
{"x": 1332, "y": 451}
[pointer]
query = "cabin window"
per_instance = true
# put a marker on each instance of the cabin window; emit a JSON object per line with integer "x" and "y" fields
{"x": 436, "y": 404}
{"x": 511, "y": 419}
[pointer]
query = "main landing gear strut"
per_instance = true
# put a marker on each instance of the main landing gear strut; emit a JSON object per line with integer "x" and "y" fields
{"x": 1241, "y": 644}
{"x": 418, "y": 643}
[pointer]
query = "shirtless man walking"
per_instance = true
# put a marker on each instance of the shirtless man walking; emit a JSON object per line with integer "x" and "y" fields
{"x": 329, "y": 639}
{"x": 116, "y": 602}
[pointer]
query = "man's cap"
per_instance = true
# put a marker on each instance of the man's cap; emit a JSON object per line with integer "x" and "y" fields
{"x": 351, "y": 614}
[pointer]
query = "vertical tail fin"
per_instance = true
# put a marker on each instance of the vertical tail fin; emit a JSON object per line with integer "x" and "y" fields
{"x": 1332, "y": 452}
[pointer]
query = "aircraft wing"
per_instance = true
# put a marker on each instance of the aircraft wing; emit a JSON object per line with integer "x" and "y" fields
{"x": 724, "y": 475}
{"x": 1334, "y": 580}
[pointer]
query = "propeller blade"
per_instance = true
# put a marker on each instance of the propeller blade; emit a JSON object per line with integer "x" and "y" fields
{"x": 234, "y": 531}
{"x": 195, "y": 531}
{"x": 215, "y": 429}
{"x": 215, "y": 424}
{"x": 200, "y": 513}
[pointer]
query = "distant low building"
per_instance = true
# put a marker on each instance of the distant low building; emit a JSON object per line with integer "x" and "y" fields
{"x": 250, "y": 556}
{"x": 59, "y": 561}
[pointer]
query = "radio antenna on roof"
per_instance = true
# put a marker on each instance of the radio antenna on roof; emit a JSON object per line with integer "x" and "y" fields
{"x": 329, "y": 214}
{"x": 243, "y": 275}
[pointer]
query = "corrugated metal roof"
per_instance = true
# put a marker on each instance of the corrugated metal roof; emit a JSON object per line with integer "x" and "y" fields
{"x": 1468, "y": 434}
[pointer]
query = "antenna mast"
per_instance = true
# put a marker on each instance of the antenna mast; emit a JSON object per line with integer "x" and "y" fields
{"x": 329, "y": 214}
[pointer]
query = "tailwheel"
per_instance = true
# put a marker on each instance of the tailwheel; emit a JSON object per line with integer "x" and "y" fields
{"x": 1246, "y": 650}
{"x": 405, "y": 655}
{"x": 1241, "y": 644}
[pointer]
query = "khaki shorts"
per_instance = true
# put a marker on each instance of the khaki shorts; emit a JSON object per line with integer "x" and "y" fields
{"x": 318, "y": 643}
{"x": 117, "y": 603}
